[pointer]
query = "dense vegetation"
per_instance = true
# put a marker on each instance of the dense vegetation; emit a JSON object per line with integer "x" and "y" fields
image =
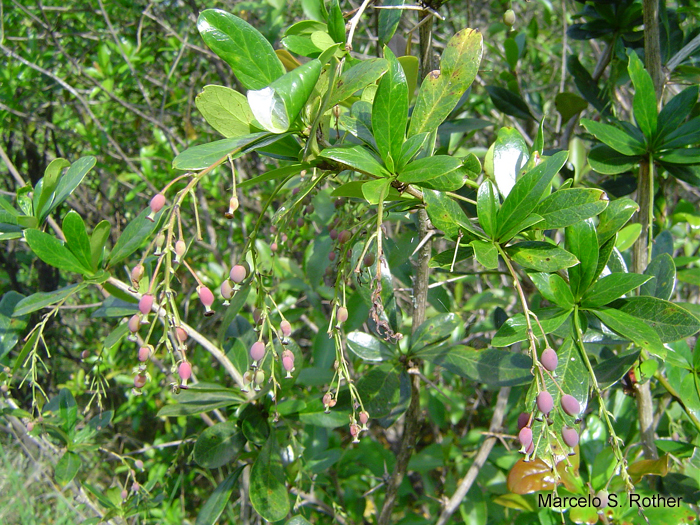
{"x": 354, "y": 263}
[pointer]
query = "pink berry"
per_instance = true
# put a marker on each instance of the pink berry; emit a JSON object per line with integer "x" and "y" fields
{"x": 205, "y": 295}
{"x": 523, "y": 420}
{"x": 157, "y": 203}
{"x": 30, "y": 426}
{"x": 125, "y": 494}
{"x": 135, "y": 486}
{"x": 238, "y": 273}
{"x": 363, "y": 417}
{"x": 327, "y": 398}
{"x": 226, "y": 290}
{"x": 140, "y": 381}
{"x": 185, "y": 370}
{"x": 288, "y": 361}
{"x": 286, "y": 328}
{"x": 549, "y": 359}
{"x": 570, "y": 436}
{"x": 331, "y": 256}
{"x": 274, "y": 247}
{"x": 144, "y": 353}
{"x": 181, "y": 334}
{"x": 232, "y": 206}
{"x": 369, "y": 259}
{"x": 531, "y": 448}
{"x": 525, "y": 436}
{"x": 134, "y": 323}
{"x": 342, "y": 314}
{"x": 137, "y": 274}
{"x": 354, "y": 430}
{"x": 145, "y": 303}
{"x": 545, "y": 402}
{"x": 570, "y": 405}
{"x": 138, "y": 464}
{"x": 334, "y": 234}
{"x": 257, "y": 351}
{"x": 300, "y": 222}
{"x": 180, "y": 249}
{"x": 84, "y": 354}
{"x": 344, "y": 236}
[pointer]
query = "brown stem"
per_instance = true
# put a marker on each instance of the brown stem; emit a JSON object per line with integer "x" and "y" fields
{"x": 652, "y": 47}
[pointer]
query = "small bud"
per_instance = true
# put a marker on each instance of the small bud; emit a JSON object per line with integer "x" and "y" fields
{"x": 295, "y": 191}
{"x": 156, "y": 204}
{"x": 136, "y": 275}
{"x": 369, "y": 259}
{"x": 342, "y": 314}
{"x": 184, "y": 370}
{"x": 509, "y": 18}
{"x": 180, "y": 249}
{"x": 344, "y": 236}
{"x": 238, "y": 273}
{"x": 207, "y": 299}
{"x": 257, "y": 351}
{"x": 232, "y": 206}
{"x": 145, "y": 303}
{"x": 160, "y": 241}
{"x": 145, "y": 352}
{"x": 181, "y": 334}
{"x": 259, "y": 379}
{"x": 309, "y": 209}
{"x": 300, "y": 222}
{"x": 247, "y": 380}
{"x": 327, "y": 401}
{"x": 274, "y": 247}
{"x": 288, "y": 362}
{"x": 334, "y": 234}
{"x": 286, "y": 328}
{"x": 140, "y": 381}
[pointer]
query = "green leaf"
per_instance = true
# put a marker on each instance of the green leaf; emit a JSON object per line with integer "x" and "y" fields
{"x": 611, "y": 370}
{"x": 298, "y": 520}
{"x": 644, "y": 100}
{"x": 410, "y": 149}
{"x": 98, "y": 241}
{"x": 389, "y": 20}
{"x": 199, "y": 398}
{"x": 561, "y": 293}
{"x": 368, "y": 347}
{"x": 670, "y": 321}
{"x": 427, "y": 168}
{"x": 357, "y": 77}
{"x": 446, "y": 214}
{"x": 585, "y": 84}
{"x": 527, "y": 193}
{"x": 218, "y": 445}
{"x": 216, "y": 503}
{"x": 279, "y": 173}
{"x": 241, "y": 46}
{"x": 569, "y": 105}
{"x": 133, "y": 236}
{"x": 10, "y": 327}
{"x": 486, "y": 253}
{"x": 682, "y": 156}
{"x": 627, "y": 236}
{"x": 514, "y": 329}
{"x": 49, "y": 182}
{"x": 614, "y": 137}
{"x": 614, "y": 217}
{"x": 434, "y": 330}
{"x": 686, "y": 135}
{"x": 67, "y": 467}
{"x": 39, "y": 300}
{"x": 566, "y": 207}
{"x": 676, "y": 111}
{"x": 510, "y": 154}
{"x": 336, "y": 24}
{"x": 357, "y": 158}
{"x": 581, "y": 241}
{"x": 214, "y": 153}
{"x": 301, "y": 45}
{"x": 487, "y": 207}
{"x": 509, "y": 103}
{"x": 541, "y": 256}
{"x": 226, "y": 110}
{"x": 268, "y": 491}
{"x": 254, "y": 424}
{"x": 441, "y": 90}
{"x": 612, "y": 287}
{"x": 53, "y": 252}
{"x": 631, "y": 328}
{"x": 493, "y": 367}
{"x": 663, "y": 269}
{"x": 77, "y": 239}
{"x": 390, "y": 112}
{"x": 67, "y": 184}
{"x": 376, "y": 190}
{"x": 607, "y": 161}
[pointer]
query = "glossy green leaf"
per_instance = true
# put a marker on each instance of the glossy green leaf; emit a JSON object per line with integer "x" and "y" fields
{"x": 357, "y": 158}
{"x": 627, "y": 236}
{"x": 213, "y": 153}
{"x": 676, "y": 111}
{"x": 446, "y": 214}
{"x": 527, "y": 193}
{"x": 410, "y": 149}
{"x": 380, "y": 389}
{"x": 632, "y": 328}
{"x": 218, "y": 445}
{"x": 390, "y": 112}
{"x": 493, "y": 367}
{"x": 686, "y": 135}
{"x": 644, "y": 100}
{"x": 277, "y": 106}
{"x": 77, "y": 240}
{"x": 611, "y": 370}
{"x": 586, "y": 85}
{"x": 67, "y": 467}
{"x": 581, "y": 241}
{"x": 434, "y": 330}
{"x": 514, "y": 329}
{"x": 368, "y": 347}
{"x": 670, "y": 321}
{"x": 357, "y": 77}
{"x": 614, "y": 217}
{"x": 607, "y": 161}
{"x": 67, "y": 184}
{"x": 510, "y": 155}
{"x": 133, "y": 236}
{"x": 604, "y": 254}
{"x": 614, "y": 137}
{"x": 427, "y": 168}
{"x": 49, "y": 182}
{"x": 561, "y": 293}
{"x": 199, "y": 398}
{"x": 509, "y": 103}
{"x": 39, "y": 300}
{"x": 441, "y": 90}
{"x": 336, "y": 23}
{"x": 216, "y": 503}
{"x": 541, "y": 256}
{"x": 446, "y": 258}
{"x": 98, "y": 242}
{"x": 566, "y": 207}
{"x": 226, "y": 110}
{"x": 53, "y": 252}
{"x": 375, "y": 191}
{"x": 682, "y": 156}
{"x": 612, "y": 287}
{"x": 301, "y": 45}
{"x": 486, "y": 253}
{"x": 241, "y": 46}
{"x": 389, "y": 20}
{"x": 663, "y": 270}
{"x": 487, "y": 207}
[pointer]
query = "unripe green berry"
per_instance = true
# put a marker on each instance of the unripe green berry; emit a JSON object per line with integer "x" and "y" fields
{"x": 342, "y": 314}
{"x": 509, "y": 18}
